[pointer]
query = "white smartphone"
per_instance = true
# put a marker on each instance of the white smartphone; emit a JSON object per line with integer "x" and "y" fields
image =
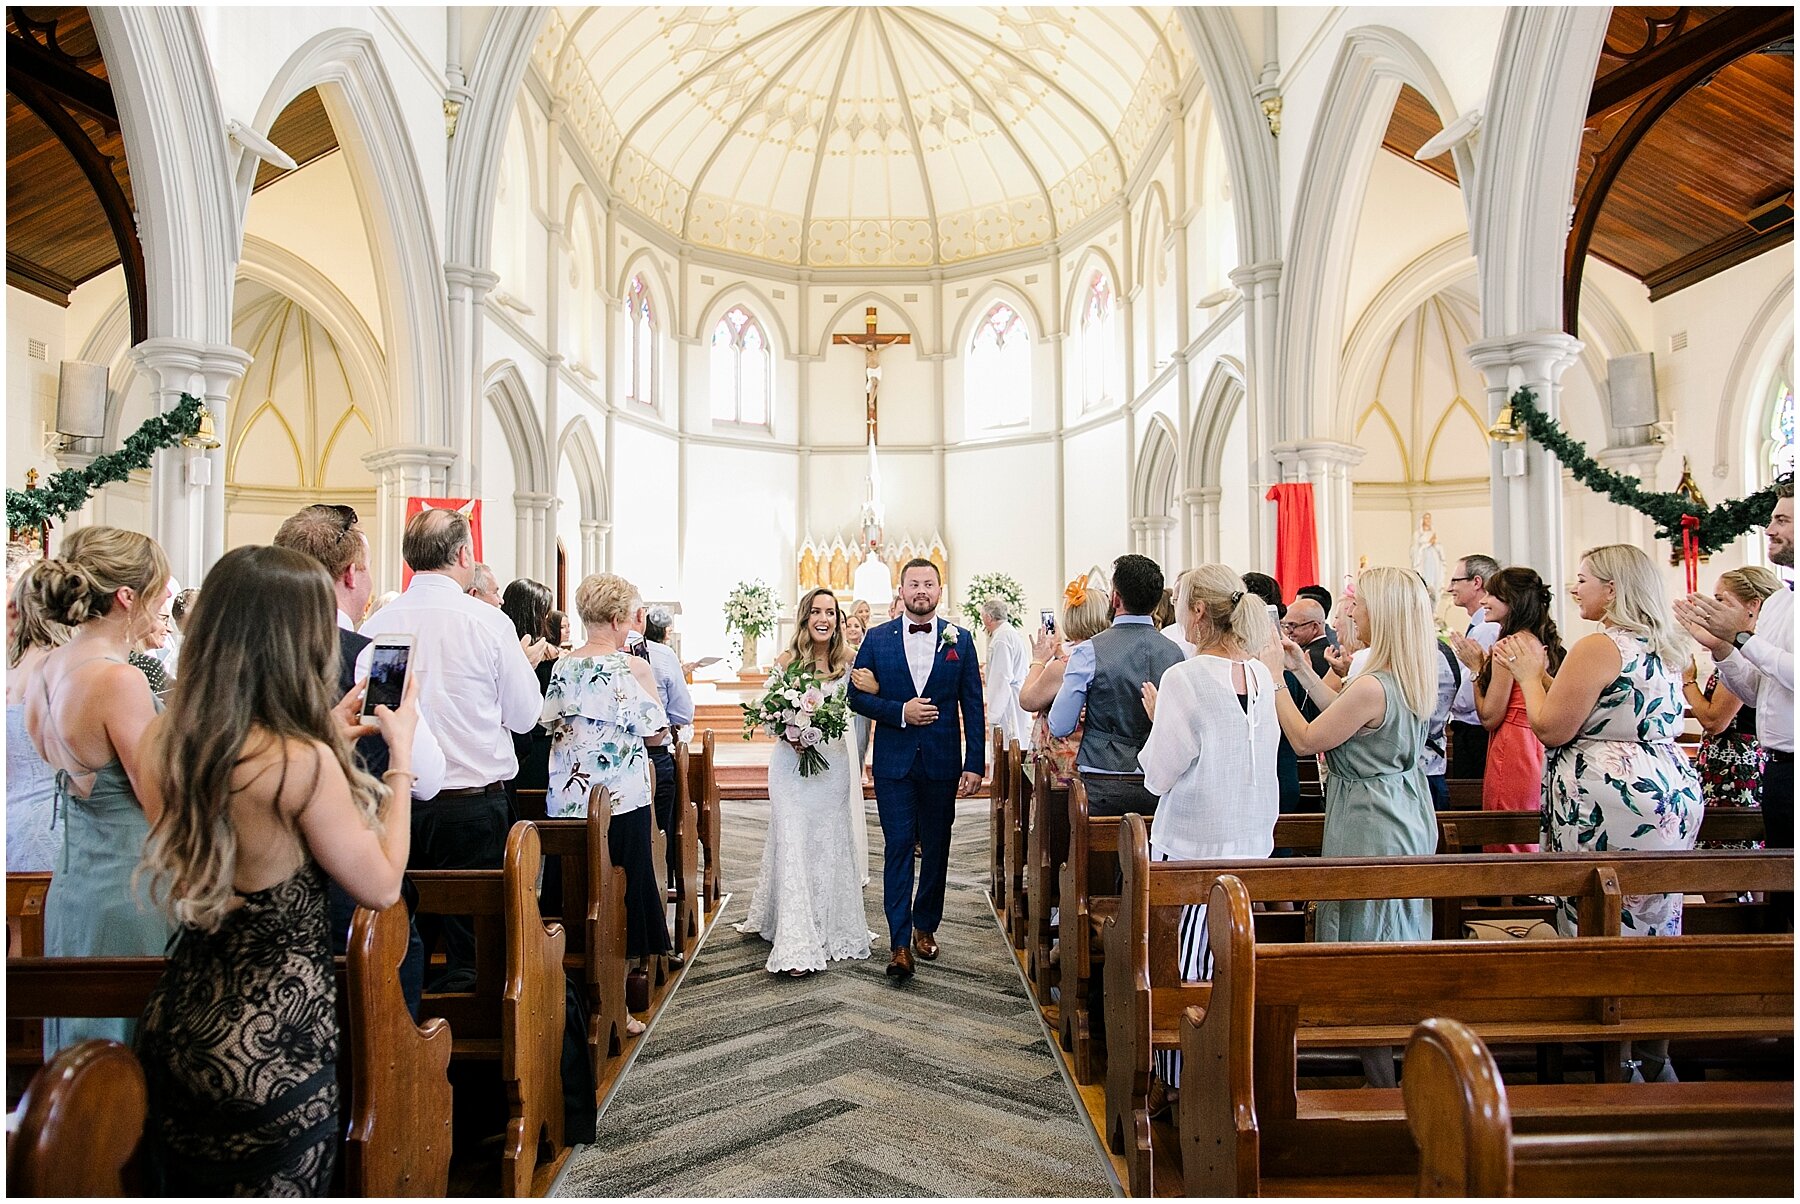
{"x": 389, "y": 661}
{"x": 1047, "y": 620}
{"x": 1274, "y": 614}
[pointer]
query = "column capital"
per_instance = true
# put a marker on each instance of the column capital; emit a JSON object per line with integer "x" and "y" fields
{"x": 1203, "y": 494}
{"x": 1539, "y": 355}
{"x": 595, "y": 526}
{"x": 1156, "y": 522}
{"x": 534, "y": 501}
{"x": 479, "y": 281}
{"x": 409, "y": 455}
{"x": 1250, "y": 275}
{"x": 189, "y": 366}
{"x": 1318, "y": 452}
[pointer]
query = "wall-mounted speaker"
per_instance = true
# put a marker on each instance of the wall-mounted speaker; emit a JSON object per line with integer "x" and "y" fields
{"x": 81, "y": 400}
{"x": 1631, "y": 385}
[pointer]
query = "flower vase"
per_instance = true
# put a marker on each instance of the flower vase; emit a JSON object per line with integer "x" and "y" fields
{"x": 750, "y": 664}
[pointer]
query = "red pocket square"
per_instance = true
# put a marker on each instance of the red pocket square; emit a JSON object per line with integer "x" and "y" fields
{"x": 951, "y": 655}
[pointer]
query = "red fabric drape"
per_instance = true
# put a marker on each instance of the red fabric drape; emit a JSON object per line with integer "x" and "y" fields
{"x": 471, "y": 508}
{"x": 1296, "y": 538}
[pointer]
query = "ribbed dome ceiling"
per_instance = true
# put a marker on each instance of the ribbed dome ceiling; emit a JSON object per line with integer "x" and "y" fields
{"x": 865, "y": 136}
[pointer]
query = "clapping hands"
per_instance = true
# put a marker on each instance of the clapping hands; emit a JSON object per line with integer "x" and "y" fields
{"x": 1470, "y": 653}
{"x": 1522, "y": 655}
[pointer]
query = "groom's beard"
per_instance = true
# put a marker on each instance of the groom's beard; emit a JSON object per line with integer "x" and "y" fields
{"x": 929, "y": 610}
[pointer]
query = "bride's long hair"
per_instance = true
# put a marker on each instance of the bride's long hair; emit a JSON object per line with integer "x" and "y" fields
{"x": 839, "y": 654}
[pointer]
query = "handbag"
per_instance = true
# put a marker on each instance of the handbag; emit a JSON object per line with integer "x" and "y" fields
{"x": 1516, "y": 930}
{"x": 637, "y": 990}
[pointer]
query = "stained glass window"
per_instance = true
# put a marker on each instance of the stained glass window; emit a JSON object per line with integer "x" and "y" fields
{"x": 997, "y": 386}
{"x": 642, "y": 316}
{"x": 1097, "y": 345}
{"x": 741, "y": 367}
{"x": 1781, "y": 431}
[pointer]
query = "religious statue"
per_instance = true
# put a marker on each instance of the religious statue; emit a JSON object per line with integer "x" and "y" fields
{"x": 1427, "y": 556}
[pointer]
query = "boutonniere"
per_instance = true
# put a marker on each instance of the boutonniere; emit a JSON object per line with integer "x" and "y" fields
{"x": 948, "y": 638}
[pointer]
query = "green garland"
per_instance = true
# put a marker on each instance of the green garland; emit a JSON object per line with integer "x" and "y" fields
{"x": 1718, "y": 526}
{"x": 68, "y": 491}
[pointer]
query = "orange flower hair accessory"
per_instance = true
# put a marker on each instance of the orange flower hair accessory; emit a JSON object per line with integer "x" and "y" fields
{"x": 1075, "y": 596}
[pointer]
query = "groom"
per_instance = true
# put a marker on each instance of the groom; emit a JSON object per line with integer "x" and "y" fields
{"x": 926, "y": 672}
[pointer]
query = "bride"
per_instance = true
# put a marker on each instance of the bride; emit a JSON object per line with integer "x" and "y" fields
{"x": 808, "y": 902}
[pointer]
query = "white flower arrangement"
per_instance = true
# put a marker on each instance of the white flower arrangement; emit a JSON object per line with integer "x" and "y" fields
{"x": 994, "y": 585}
{"x": 750, "y": 609}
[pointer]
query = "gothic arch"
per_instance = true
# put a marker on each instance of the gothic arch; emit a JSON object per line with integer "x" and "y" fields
{"x": 758, "y": 303}
{"x": 980, "y": 303}
{"x": 644, "y": 261}
{"x": 578, "y": 449}
{"x": 1372, "y": 65}
{"x": 1249, "y": 146}
{"x": 889, "y": 306}
{"x": 1448, "y": 263}
{"x": 359, "y": 99}
{"x": 1091, "y": 258}
{"x": 1220, "y": 401}
{"x": 1767, "y": 343}
{"x": 504, "y": 390}
{"x": 1154, "y": 488}
{"x": 475, "y": 152}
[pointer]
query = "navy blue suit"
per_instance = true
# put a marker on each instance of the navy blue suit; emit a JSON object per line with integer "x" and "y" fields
{"x": 916, "y": 767}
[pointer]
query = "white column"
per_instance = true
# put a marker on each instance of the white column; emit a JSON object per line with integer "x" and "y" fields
{"x": 468, "y": 288}
{"x": 554, "y": 238}
{"x": 1203, "y": 523}
{"x": 1157, "y": 544}
{"x": 187, "y": 486}
{"x": 1527, "y": 479}
{"x": 1260, "y": 284}
{"x": 532, "y": 514}
{"x": 409, "y": 470}
{"x": 1325, "y": 464}
{"x": 593, "y": 546}
{"x": 1640, "y": 461}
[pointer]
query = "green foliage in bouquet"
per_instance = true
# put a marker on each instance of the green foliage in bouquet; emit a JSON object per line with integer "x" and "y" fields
{"x": 796, "y": 707}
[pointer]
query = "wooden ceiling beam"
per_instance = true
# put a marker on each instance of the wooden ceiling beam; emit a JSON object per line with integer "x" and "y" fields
{"x": 1714, "y": 258}
{"x": 1700, "y": 51}
{"x": 75, "y": 88}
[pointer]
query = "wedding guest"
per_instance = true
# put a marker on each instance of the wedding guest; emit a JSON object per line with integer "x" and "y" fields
{"x": 477, "y": 684}
{"x": 1322, "y": 596}
{"x": 182, "y": 607}
{"x": 1287, "y": 763}
{"x": 1513, "y": 779}
{"x": 859, "y": 610}
{"x": 1731, "y": 761}
{"x": 1304, "y": 624}
{"x": 32, "y": 836}
{"x": 1163, "y": 617}
{"x": 377, "y": 602}
{"x": 527, "y": 604}
{"x": 895, "y": 606}
{"x": 1756, "y": 660}
{"x": 484, "y": 586}
{"x": 1210, "y": 757}
{"x": 557, "y": 631}
{"x": 678, "y": 707}
{"x": 599, "y": 706}
{"x": 258, "y": 799}
{"x": 86, "y": 714}
{"x": 854, "y": 630}
{"x": 1009, "y": 659}
{"x": 1468, "y": 735}
{"x": 1377, "y": 802}
{"x": 1083, "y": 617}
{"x": 1106, "y": 677}
{"x": 1176, "y": 628}
{"x": 154, "y": 638}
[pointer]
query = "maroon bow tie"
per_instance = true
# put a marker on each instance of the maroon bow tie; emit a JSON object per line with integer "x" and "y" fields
{"x": 916, "y": 628}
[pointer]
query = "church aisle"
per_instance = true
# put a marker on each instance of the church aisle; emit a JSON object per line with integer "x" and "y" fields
{"x": 841, "y": 1084}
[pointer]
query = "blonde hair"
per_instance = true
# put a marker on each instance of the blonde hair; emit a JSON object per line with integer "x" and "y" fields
{"x": 1218, "y": 593}
{"x": 801, "y": 650}
{"x": 1402, "y": 636}
{"x": 1752, "y": 583}
{"x": 96, "y": 563}
{"x": 32, "y": 627}
{"x": 605, "y": 598}
{"x": 1089, "y": 619}
{"x": 1640, "y": 606}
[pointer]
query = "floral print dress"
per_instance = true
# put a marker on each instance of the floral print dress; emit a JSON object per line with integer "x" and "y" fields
{"x": 598, "y": 716}
{"x": 1623, "y": 784}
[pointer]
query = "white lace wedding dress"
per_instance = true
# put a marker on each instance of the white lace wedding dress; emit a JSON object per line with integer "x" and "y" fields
{"x": 809, "y": 893}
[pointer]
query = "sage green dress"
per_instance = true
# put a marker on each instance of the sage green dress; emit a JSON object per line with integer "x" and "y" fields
{"x": 1377, "y": 804}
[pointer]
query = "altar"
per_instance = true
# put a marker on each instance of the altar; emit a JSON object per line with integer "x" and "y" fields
{"x": 867, "y": 572}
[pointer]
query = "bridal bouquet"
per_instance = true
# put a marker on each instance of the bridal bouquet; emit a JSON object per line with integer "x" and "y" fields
{"x": 797, "y": 708}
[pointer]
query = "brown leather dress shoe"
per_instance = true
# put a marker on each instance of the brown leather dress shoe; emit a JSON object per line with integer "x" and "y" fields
{"x": 925, "y": 945}
{"x": 900, "y": 966}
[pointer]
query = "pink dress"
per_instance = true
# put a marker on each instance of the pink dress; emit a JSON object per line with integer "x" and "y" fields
{"x": 1515, "y": 769}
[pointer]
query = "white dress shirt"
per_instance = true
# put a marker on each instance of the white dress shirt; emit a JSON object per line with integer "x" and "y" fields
{"x": 1009, "y": 660}
{"x": 474, "y": 679}
{"x": 1212, "y": 762}
{"x": 1179, "y": 638}
{"x": 921, "y": 649}
{"x": 1462, "y": 708}
{"x": 1762, "y": 672}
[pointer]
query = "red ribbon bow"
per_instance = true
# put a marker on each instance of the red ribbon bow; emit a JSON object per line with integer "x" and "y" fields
{"x": 1690, "y": 549}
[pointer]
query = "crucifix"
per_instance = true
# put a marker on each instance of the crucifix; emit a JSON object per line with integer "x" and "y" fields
{"x": 871, "y": 341}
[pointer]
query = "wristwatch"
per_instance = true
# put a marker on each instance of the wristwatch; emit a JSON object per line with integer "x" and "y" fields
{"x": 1740, "y": 639}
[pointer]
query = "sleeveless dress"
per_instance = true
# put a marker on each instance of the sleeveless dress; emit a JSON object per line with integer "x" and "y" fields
{"x": 1730, "y": 765}
{"x": 1622, "y": 783}
{"x": 808, "y": 902}
{"x": 1378, "y": 804}
{"x": 239, "y": 1046}
{"x": 1514, "y": 780}
{"x": 32, "y": 837}
{"x": 93, "y": 909}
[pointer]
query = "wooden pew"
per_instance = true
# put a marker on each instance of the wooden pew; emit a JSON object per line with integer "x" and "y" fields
{"x": 515, "y": 1013}
{"x": 703, "y": 789}
{"x": 997, "y": 823}
{"x": 25, "y": 895}
{"x": 593, "y": 904}
{"x": 399, "y": 1105}
{"x": 81, "y": 1121}
{"x": 1087, "y": 901}
{"x": 1146, "y": 1000}
{"x": 687, "y": 889}
{"x": 1015, "y": 820}
{"x": 1046, "y": 850}
{"x": 1458, "y": 1109}
{"x": 1464, "y": 794}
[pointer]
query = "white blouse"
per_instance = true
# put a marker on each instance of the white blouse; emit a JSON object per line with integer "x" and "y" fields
{"x": 1212, "y": 762}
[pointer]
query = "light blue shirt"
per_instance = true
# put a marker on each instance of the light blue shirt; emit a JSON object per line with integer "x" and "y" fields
{"x": 1071, "y": 696}
{"x": 671, "y": 685}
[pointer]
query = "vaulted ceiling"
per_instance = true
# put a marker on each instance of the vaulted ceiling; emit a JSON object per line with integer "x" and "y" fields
{"x": 877, "y": 135}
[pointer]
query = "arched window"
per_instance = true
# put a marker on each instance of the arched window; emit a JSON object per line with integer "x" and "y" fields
{"x": 1781, "y": 431}
{"x": 997, "y": 386}
{"x": 1096, "y": 343}
{"x": 642, "y": 316}
{"x": 741, "y": 365}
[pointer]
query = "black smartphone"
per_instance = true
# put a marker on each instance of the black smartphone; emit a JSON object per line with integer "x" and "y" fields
{"x": 388, "y": 663}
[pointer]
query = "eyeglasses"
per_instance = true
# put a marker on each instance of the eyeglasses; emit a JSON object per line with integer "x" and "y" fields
{"x": 1454, "y": 580}
{"x": 1291, "y": 627}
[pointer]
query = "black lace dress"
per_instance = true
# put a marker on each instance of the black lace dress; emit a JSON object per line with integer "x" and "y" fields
{"x": 239, "y": 1045}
